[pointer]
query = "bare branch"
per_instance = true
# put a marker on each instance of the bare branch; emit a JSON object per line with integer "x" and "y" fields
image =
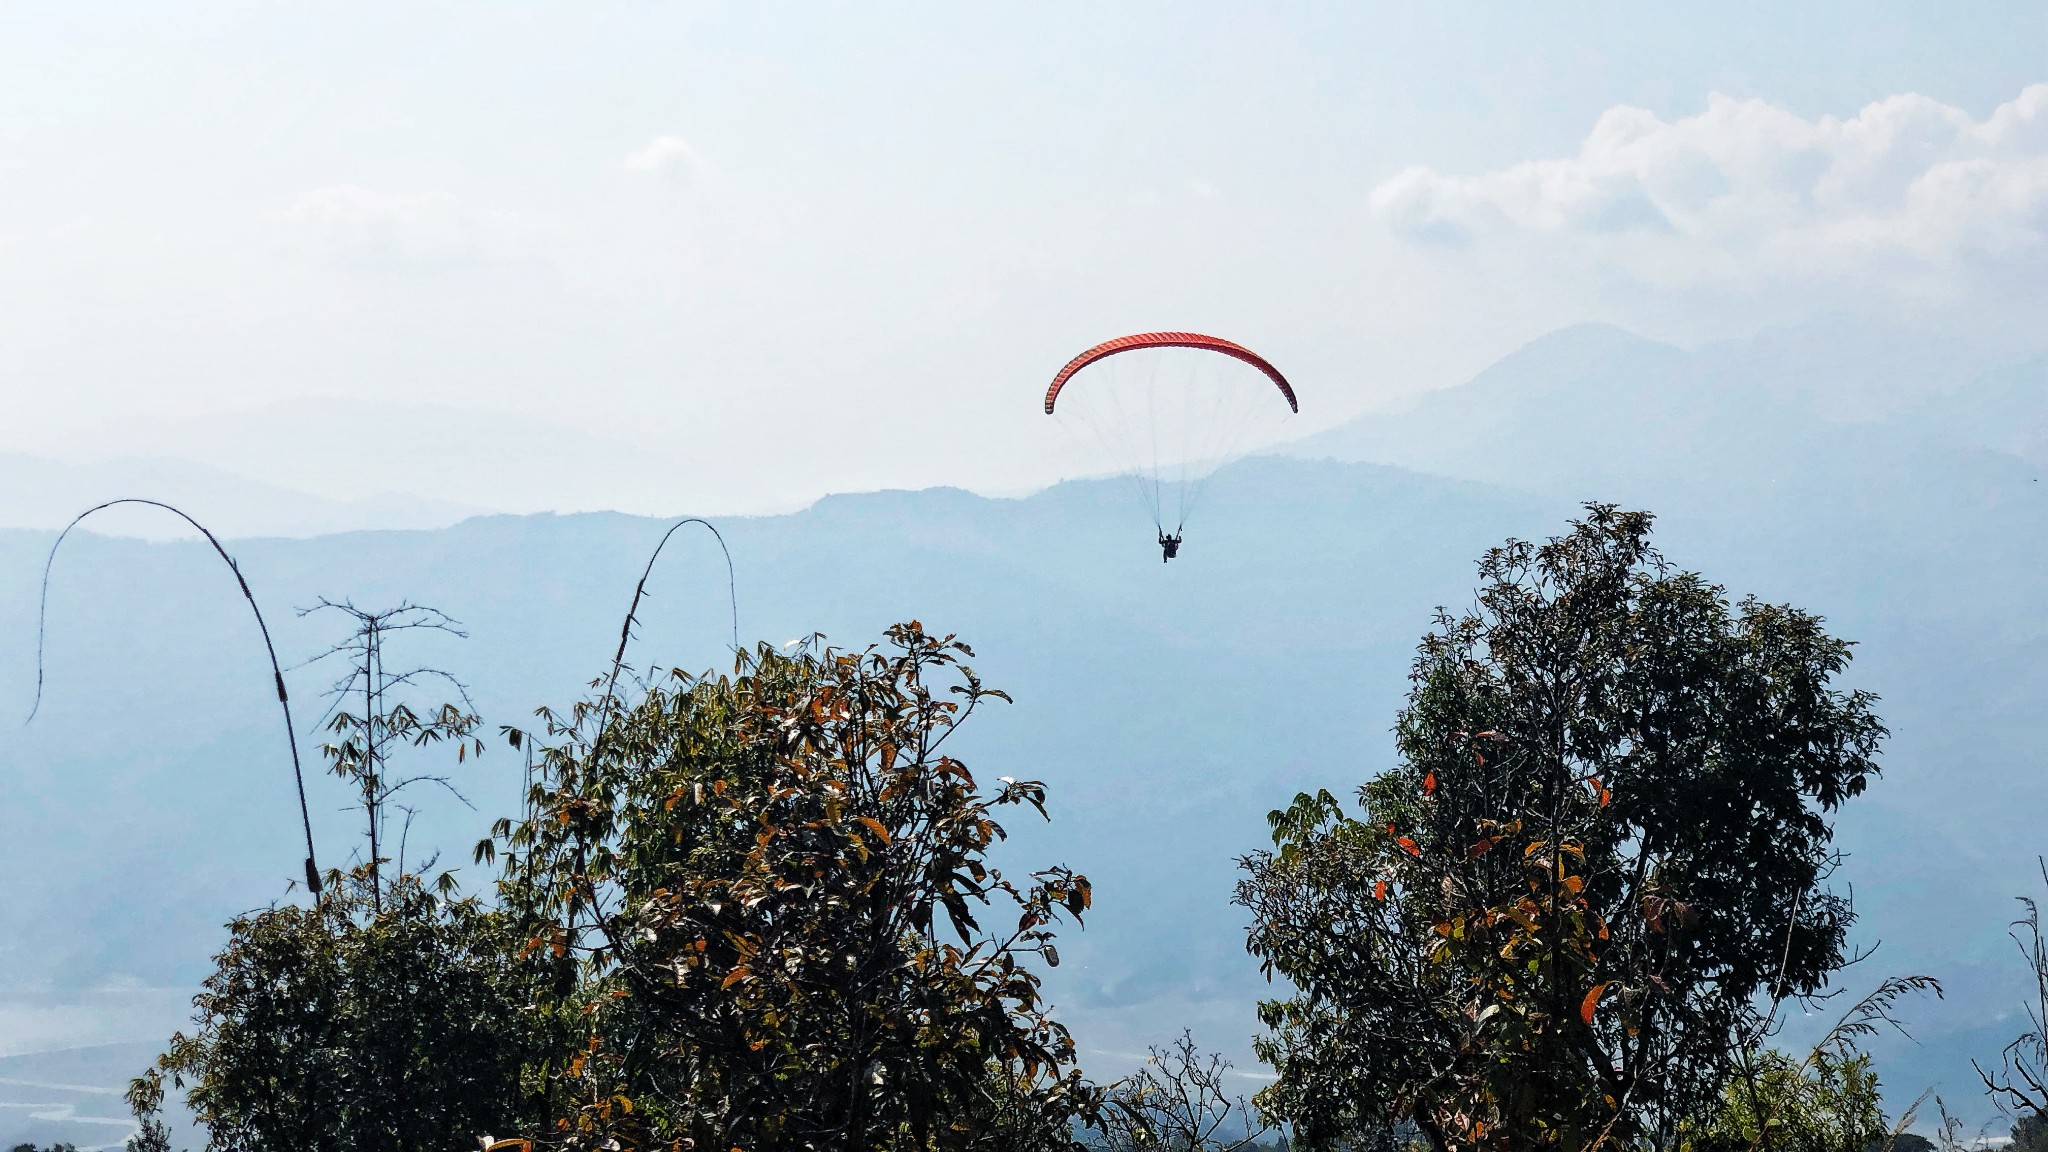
{"x": 640, "y": 591}
{"x": 276, "y": 671}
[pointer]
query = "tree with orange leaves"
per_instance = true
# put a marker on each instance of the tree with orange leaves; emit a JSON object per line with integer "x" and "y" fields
{"x": 777, "y": 926}
{"x": 1608, "y": 838}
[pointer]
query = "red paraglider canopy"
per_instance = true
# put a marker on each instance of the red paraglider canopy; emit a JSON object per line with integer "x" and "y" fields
{"x": 1168, "y": 340}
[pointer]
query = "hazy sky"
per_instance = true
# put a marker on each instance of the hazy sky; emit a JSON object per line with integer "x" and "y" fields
{"x": 727, "y": 257}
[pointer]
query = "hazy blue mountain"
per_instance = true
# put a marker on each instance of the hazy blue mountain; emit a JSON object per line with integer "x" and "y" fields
{"x": 1595, "y": 406}
{"x": 1914, "y": 521}
{"x": 40, "y": 493}
{"x": 72, "y": 1096}
{"x": 348, "y": 451}
{"x": 2005, "y": 409}
{"x": 1167, "y": 706}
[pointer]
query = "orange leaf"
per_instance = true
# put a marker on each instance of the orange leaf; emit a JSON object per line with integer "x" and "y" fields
{"x": 1591, "y": 1002}
{"x": 733, "y": 977}
{"x": 1408, "y": 846}
{"x": 1379, "y": 890}
{"x": 875, "y": 826}
{"x": 1429, "y": 784}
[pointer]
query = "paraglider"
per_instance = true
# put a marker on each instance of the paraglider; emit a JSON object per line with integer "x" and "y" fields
{"x": 1165, "y": 409}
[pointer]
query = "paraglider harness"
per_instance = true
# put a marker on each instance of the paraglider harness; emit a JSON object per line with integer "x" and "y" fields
{"x": 1168, "y": 545}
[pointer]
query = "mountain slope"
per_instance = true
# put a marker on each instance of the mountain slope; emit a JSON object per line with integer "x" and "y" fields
{"x": 1168, "y": 707}
{"x": 40, "y": 493}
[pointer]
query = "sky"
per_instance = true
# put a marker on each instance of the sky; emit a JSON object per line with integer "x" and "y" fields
{"x": 727, "y": 258}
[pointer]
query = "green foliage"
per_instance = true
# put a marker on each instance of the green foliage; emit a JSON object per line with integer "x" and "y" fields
{"x": 151, "y": 1133}
{"x": 2030, "y": 1133}
{"x": 362, "y": 742}
{"x": 345, "y": 1027}
{"x": 1608, "y": 834}
{"x": 386, "y": 1016}
{"x": 1827, "y": 1103}
{"x": 765, "y": 897}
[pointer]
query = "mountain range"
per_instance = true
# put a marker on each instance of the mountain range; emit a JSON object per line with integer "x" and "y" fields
{"x": 1894, "y": 486}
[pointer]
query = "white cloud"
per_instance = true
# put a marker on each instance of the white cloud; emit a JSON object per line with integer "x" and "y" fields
{"x": 1909, "y": 190}
{"x": 364, "y": 227}
{"x": 669, "y": 156}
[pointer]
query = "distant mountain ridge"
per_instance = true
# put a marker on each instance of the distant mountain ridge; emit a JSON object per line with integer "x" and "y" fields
{"x": 1168, "y": 707}
{"x": 41, "y": 493}
{"x": 70, "y": 1096}
{"x": 348, "y": 452}
{"x": 1595, "y": 404}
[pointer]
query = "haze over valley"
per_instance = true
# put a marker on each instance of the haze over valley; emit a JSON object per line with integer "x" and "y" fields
{"x": 1166, "y": 707}
{"x": 462, "y": 309}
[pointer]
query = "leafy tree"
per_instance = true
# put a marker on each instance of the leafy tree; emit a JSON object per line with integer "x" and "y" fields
{"x": 1608, "y": 834}
{"x": 364, "y": 739}
{"x": 1826, "y": 1102}
{"x": 151, "y": 1133}
{"x": 1829, "y": 1103}
{"x": 386, "y": 1016}
{"x": 775, "y": 884}
{"x": 2030, "y": 1133}
{"x": 341, "y": 1027}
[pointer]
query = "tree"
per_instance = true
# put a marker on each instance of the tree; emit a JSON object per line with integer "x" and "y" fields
{"x": 1829, "y": 1103}
{"x": 151, "y": 1133}
{"x": 391, "y": 1015}
{"x": 341, "y": 1027}
{"x": 2020, "y": 1085}
{"x": 2030, "y": 1133}
{"x": 1178, "y": 1102}
{"x": 1608, "y": 834}
{"x": 775, "y": 884}
{"x": 363, "y": 741}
